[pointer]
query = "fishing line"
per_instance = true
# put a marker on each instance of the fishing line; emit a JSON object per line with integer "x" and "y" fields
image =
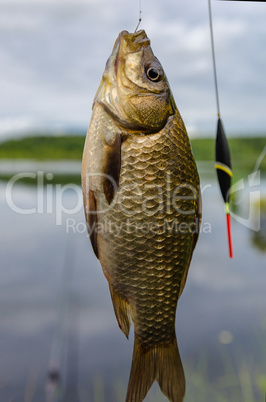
{"x": 222, "y": 152}
{"x": 65, "y": 339}
{"x": 140, "y": 11}
{"x": 213, "y": 60}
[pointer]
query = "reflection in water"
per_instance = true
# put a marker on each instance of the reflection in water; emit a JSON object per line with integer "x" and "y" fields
{"x": 34, "y": 173}
{"x": 62, "y": 378}
{"x": 223, "y": 358}
{"x": 259, "y": 237}
{"x": 53, "y": 386}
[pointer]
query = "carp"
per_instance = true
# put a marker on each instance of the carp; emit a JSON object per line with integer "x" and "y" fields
{"x": 141, "y": 195}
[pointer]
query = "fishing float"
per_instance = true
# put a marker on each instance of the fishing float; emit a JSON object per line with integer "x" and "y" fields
{"x": 222, "y": 152}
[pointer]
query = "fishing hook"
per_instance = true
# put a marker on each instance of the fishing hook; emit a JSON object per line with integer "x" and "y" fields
{"x": 140, "y": 11}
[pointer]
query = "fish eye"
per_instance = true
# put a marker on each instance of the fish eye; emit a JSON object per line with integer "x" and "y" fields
{"x": 154, "y": 74}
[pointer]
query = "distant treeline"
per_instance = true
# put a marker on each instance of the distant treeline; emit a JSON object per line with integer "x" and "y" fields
{"x": 43, "y": 148}
{"x": 244, "y": 151}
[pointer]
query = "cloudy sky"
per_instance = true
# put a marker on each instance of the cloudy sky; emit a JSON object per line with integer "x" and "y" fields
{"x": 53, "y": 53}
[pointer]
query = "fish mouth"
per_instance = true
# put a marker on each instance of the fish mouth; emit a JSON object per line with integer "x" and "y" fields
{"x": 138, "y": 37}
{"x": 133, "y": 43}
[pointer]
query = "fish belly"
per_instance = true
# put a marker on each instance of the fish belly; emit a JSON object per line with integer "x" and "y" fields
{"x": 146, "y": 234}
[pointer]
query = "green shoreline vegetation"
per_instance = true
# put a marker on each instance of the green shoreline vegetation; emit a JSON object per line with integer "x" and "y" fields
{"x": 244, "y": 151}
{"x": 43, "y": 148}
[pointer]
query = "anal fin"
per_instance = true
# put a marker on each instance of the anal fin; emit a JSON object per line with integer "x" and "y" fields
{"x": 121, "y": 309}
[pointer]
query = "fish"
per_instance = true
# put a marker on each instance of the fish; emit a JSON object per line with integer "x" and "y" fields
{"x": 141, "y": 194}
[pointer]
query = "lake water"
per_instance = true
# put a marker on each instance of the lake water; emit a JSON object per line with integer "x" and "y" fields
{"x": 59, "y": 339}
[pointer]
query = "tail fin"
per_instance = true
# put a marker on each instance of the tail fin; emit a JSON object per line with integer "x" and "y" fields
{"x": 161, "y": 363}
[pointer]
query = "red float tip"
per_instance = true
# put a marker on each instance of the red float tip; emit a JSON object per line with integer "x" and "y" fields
{"x": 229, "y": 235}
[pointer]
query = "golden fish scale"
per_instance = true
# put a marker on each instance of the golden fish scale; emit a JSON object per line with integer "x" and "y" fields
{"x": 143, "y": 261}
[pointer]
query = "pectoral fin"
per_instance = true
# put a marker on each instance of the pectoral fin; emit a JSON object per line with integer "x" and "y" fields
{"x": 112, "y": 166}
{"x": 91, "y": 216}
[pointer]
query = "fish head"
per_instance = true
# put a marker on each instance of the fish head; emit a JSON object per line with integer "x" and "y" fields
{"x": 134, "y": 89}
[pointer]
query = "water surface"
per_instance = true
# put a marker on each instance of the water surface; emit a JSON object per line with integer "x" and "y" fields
{"x": 56, "y": 314}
